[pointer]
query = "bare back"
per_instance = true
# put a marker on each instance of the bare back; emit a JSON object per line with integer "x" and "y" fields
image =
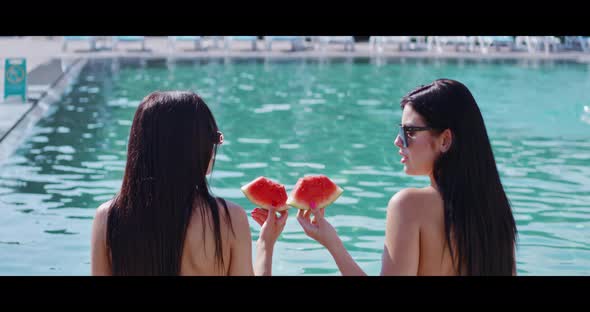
{"x": 435, "y": 257}
{"x": 198, "y": 257}
{"x": 415, "y": 235}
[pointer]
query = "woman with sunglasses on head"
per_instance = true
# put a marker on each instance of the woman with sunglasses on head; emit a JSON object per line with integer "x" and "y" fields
{"x": 164, "y": 220}
{"x": 460, "y": 224}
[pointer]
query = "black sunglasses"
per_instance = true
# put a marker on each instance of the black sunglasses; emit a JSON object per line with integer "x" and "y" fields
{"x": 218, "y": 138}
{"x": 403, "y": 132}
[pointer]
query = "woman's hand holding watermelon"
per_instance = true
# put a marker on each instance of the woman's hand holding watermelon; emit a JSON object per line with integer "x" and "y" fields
{"x": 272, "y": 226}
{"x": 269, "y": 233}
{"x": 319, "y": 228}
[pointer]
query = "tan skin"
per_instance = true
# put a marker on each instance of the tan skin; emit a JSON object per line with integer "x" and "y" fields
{"x": 237, "y": 250}
{"x": 414, "y": 235}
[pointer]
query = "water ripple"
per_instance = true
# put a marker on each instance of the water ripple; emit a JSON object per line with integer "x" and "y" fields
{"x": 268, "y": 108}
{"x": 289, "y": 118}
{"x": 254, "y": 141}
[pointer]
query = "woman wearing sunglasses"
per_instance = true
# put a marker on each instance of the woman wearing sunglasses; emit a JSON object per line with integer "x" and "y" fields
{"x": 164, "y": 220}
{"x": 460, "y": 224}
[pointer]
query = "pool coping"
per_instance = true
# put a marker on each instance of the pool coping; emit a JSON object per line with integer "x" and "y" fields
{"x": 573, "y": 57}
{"x": 40, "y": 98}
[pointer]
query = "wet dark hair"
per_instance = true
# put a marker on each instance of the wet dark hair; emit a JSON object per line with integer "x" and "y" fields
{"x": 170, "y": 144}
{"x": 477, "y": 212}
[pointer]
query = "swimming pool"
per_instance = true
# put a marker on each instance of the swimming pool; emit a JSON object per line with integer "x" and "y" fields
{"x": 287, "y": 118}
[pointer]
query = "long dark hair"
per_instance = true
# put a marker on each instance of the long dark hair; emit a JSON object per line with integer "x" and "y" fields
{"x": 476, "y": 210}
{"x": 170, "y": 144}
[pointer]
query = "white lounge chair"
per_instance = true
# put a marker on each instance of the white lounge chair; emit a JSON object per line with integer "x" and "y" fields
{"x": 378, "y": 42}
{"x": 215, "y": 40}
{"x": 486, "y": 42}
{"x": 417, "y": 42}
{"x": 197, "y": 40}
{"x": 579, "y": 43}
{"x": 229, "y": 39}
{"x": 297, "y": 42}
{"x": 90, "y": 39}
{"x": 321, "y": 41}
{"x": 535, "y": 44}
{"x": 117, "y": 39}
{"x": 438, "y": 42}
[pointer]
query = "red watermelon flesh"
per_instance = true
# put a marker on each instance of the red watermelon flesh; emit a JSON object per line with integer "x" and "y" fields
{"x": 318, "y": 189}
{"x": 266, "y": 193}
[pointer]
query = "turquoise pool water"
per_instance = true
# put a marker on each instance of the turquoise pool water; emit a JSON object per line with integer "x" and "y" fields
{"x": 285, "y": 119}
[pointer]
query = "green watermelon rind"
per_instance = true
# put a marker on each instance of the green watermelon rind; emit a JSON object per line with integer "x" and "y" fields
{"x": 258, "y": 203}
{"x": 304, "y": 206}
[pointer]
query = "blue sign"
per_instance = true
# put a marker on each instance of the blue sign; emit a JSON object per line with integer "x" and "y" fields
{"x": 15, "y": 78}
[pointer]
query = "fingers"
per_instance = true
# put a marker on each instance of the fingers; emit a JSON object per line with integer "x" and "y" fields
{"x": 258, "y": 219}
{"x": 282, "y": 220}
{"x": 260, "y": 212}
{"x": 307, "y": 214}
{"x": 310, "y": 228}
{"x": 271, "y": 217}
{"x": 258, "y": 216}
{"x": 301, "y": 216}
{"x": 304, "y": 223}
{"x": 318, "y": 214}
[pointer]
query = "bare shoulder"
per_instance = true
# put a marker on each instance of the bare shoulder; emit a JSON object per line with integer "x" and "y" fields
{"x": 235, "y": 211}
{"x": 412, "y": 204}
{"x": 105, "y": 205}
{"x": 239, "y": 221}
{"x": 239, "y": 217}
{"x": 102, "y": 213}
{"x": 406, "y": 199}
{"x": 100, "y": 258}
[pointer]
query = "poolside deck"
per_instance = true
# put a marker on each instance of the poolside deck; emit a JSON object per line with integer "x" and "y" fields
{"x": 39, "y": 49}
{"x": 157, "y": 47}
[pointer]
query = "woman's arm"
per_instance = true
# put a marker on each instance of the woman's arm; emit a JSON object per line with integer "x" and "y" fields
{"x": 263, "y": 262}
{"x": 323, "y": 232}
{"x": 401, "y": 253}
{"x": 345, "y": 262}
{"x": 269, "y": 233}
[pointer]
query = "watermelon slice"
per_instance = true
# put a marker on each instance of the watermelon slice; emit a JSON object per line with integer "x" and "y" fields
{"x": 318, "y": 189}
{"x": 266, "y": 193}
